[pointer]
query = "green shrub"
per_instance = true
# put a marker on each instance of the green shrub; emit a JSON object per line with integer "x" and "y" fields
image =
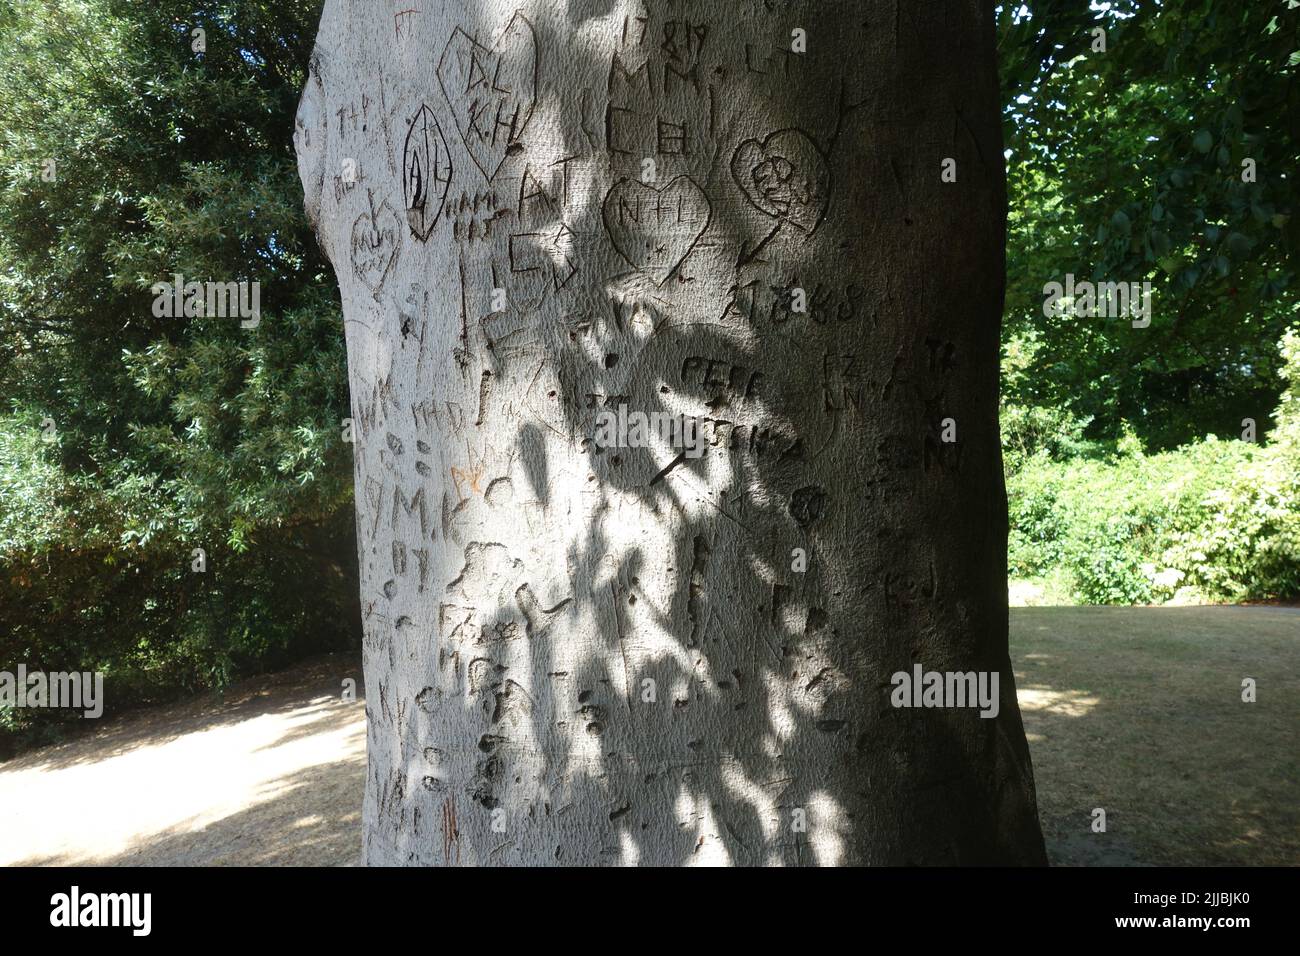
{"x": 1217, "y": 520}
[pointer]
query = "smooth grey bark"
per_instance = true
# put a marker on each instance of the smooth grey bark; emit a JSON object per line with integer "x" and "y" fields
{"x": 587, "y": 655}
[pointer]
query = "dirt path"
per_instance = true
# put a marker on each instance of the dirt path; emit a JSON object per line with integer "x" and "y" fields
{"x": 1135, "y": 710}
{"x": 272, "y": 775}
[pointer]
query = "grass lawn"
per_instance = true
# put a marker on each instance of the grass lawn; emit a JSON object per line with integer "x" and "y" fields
{"x": 1139, "y": 711}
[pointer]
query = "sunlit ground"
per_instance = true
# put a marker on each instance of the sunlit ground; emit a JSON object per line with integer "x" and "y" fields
{"x": 1137, "y": 711}
{"x": 271, "y": 775}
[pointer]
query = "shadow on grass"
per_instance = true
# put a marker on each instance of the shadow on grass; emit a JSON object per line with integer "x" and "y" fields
{"x": 1139, "y": 711}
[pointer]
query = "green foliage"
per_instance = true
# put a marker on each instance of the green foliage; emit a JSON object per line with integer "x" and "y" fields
{"x": 1030, "y": 431}
{"x": 1215, "y": 520}
{"x": 1287, "y": 432}
{"x": 1127, "y": 165}
{"x": 168, "y": 434}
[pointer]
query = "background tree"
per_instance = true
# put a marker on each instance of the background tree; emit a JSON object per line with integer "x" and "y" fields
{"x": 167, "y": 434}
{"x": 1153, "y": 142}
{"x": 130, "y": 440}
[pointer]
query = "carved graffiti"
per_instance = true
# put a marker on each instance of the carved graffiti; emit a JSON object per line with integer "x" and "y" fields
{"x": 670, "y": 119}
{"x": 548, "y": 252}
{"x": 844, "y": 385}
{"x": 376, "y": 239}
{"x": 772, "y": 302}
{"x": 426, "y": 173}
{"x": 683, "y": 42}
{"x": 402, "y": 27}
{"x": 709, "y": 373}
{"x": 656, "y": 229}
{"x": 784, "y": 177}
{"x": 491, "y": 90}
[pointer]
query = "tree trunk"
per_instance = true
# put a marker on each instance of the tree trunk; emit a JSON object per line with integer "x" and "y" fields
{"x": 611, "y": 652}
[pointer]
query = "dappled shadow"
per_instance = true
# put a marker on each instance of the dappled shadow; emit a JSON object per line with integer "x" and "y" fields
{"x": 611, "y": 647}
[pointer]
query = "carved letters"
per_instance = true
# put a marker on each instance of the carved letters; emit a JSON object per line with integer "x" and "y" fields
{"x": 426, "y": 173}
{"x": 656, "y": 229}
{"x": 491, "y": 90}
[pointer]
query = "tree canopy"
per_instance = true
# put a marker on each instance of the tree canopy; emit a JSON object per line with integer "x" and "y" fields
{"x": 130, "y": 440}
{"x": 1128, "y": 159}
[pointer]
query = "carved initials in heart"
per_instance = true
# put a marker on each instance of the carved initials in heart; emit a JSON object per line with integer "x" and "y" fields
{"x": 376, "y": 236}
{"x": 655, "y": 229}
{"x": 491, "y": 90}
{"x": 785, "y": 177}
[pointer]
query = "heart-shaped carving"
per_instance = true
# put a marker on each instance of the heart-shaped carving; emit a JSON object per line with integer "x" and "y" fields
{"x": 655, "y": 229}
{"x": 784, "y": 176}
{"x": 376, "y": 237}
{"x": 426, "y": 173}
{"x": 491, "y": 91}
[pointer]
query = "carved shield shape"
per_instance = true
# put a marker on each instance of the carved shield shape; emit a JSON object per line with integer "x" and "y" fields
{"x": 426, "y": 173}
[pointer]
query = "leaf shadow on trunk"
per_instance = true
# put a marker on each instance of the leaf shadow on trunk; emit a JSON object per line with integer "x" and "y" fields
{"x": 682, "y": 690}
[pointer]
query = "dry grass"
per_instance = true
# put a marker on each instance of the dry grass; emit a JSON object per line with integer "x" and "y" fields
{"x": 1137, "y": 710}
